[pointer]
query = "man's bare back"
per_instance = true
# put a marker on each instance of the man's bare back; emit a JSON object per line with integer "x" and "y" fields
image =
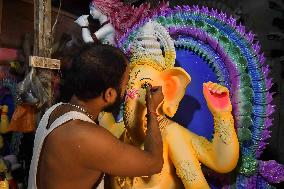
{"x": 57, "y": 171}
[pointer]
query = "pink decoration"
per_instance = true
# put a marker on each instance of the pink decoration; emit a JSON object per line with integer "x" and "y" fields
{"x": 132, "y": 94}
{"x": 124, "y": 17}
{"x": 8, "y": 54}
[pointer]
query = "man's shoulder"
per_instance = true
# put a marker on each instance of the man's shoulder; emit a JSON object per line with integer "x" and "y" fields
{"x": 86, "y": 130}
{"x": 90, "y": 137}
{"x": 83, "y": 126}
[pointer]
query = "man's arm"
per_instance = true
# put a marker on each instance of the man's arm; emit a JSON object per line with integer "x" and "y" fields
{"x": 101, "y": 151}
{"x": 153, "y": 137}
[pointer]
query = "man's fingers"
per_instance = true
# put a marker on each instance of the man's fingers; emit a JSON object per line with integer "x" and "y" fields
{"x": 157, "y": 93}
{"x": 148, "y": 93}
{"x": 156, "y": 89}
{"x": 153, "y": 92}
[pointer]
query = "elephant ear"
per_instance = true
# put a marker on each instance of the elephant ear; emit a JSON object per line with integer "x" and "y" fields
{"x": 174, "y": 83}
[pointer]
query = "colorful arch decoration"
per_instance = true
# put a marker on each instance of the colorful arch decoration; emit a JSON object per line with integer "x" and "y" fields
{"x": 238, "y": 63}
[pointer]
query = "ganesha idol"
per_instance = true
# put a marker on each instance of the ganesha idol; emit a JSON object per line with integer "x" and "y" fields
{"x": 183, "y": 150}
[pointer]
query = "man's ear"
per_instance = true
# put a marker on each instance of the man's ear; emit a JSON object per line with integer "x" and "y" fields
{"x": 109, "y": 95}
{"x": 174, "y": 85}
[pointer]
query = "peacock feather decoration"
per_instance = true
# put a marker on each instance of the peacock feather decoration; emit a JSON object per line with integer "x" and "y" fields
{"x": 238, "y": 63}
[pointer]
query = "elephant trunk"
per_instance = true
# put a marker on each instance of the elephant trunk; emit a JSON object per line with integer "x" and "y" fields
{"x": 133, "y": 116}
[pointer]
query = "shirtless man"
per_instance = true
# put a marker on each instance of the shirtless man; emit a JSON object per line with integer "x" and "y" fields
{"x": 71, "y": 150}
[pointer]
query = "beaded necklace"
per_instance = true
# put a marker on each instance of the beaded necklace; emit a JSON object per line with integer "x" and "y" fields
{"x": 83, "y": 110}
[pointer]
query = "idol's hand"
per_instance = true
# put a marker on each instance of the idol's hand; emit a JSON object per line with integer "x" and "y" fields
{"x": 217, "y": 97}
{"x": 83, "y": 21}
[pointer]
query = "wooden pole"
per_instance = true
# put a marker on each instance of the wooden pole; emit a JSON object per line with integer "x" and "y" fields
{"x": 42, "y": 41}
{"x": 1, "y": 13}
{"x": 42, "y": 27}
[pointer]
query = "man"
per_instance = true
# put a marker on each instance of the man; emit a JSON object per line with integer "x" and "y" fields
{"x": 71, "y": 150}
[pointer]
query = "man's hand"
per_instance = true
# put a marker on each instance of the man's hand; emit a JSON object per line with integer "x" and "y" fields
{"x": 154, "y": 97}
{"x": 217, "y": 97}
{"x": 83, "y": 21}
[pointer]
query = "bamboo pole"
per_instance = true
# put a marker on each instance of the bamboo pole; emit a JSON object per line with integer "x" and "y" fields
{"x": 1, "y": 14}
{"x": 42, "y": 41}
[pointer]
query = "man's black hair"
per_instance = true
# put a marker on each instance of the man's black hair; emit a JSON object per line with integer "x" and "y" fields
{"x": 97, "y": 68}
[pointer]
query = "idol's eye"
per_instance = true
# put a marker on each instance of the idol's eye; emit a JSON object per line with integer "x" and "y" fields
{"x": 144, "y": 85}
{"x": 146, "y": 82}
